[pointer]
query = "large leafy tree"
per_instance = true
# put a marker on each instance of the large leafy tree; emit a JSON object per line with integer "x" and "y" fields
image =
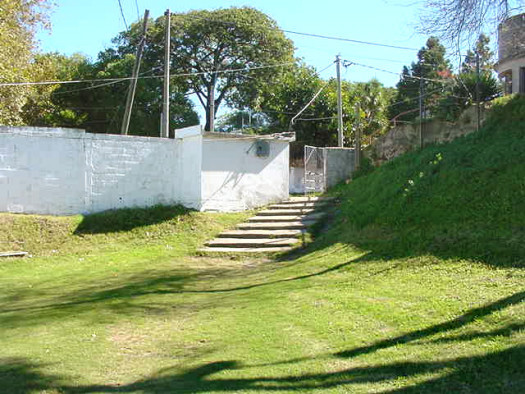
{"x": 100, "y": 106}
{"x": 19, "y": 20}
{"x": 208, "y": 44}
{"x": 40, "y": 108}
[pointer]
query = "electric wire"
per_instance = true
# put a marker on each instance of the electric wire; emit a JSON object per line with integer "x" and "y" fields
{"x": 122, "y": 13}
{"x": 190, "y": 74}
{"x": 350, "y": 40}
{"x": 307, "y": 105}
{"x": 137, "y": 8}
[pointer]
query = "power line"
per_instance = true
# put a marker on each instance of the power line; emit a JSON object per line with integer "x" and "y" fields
{"x": 350, "y": 40}
{"x": 309, "y": 103}
{"x": 105, "y": 80}
{"x": 314, "y": 35}
{"x": 137, "y": 8}
{"x": 349, "y": 63}
{"x": 122, "y": 13}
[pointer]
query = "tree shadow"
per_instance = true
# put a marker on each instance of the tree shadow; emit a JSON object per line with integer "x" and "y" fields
{"x": 494, "y": 372}
{"x": 500, "y": 371}
{"x": 454, "y": 324}
{"x": 127, "y": 219}
{"x": 121, "y": 296}
{"x": 21, "y": 376}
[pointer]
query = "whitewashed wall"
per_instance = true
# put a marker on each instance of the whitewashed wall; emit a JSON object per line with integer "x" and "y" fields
{"x": 234, "y": 178}
{"x": 64, "y": 171}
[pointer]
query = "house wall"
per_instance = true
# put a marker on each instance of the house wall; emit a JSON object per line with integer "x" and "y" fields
{"x": 511, "y": 50}
{"x": 64, "y": 171}
{"x": 234, "y": 178}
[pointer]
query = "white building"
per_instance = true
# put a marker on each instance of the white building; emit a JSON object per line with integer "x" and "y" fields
{"x": 511, "y": 54}
{"x": 68, "y": 171}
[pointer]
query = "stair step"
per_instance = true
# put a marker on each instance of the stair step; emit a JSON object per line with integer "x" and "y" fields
{"x": 307, "y": 199}
{"x": 276, "y": 225}
{"x": 287, "y": 218}
{"x": 277, "y": 249}
{"x": 300, "y": 205}
{"x": 252, "y": 243}
{"x": 260, "y": 233}
{"x": 282, "y": 212}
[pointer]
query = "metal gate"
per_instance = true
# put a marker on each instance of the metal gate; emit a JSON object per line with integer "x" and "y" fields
{"x": 314, "y": 169}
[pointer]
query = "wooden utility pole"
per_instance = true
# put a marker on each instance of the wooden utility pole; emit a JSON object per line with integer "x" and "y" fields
{"x": 211, "y": 95}
{"x": 165, "y": 126}
{"x": 339, "y": 104}
{"x": 421, "y": 110}
{"x": 134, "y": 75}
{"x": 357, "y": 136}
{"x": 478, "y": 95}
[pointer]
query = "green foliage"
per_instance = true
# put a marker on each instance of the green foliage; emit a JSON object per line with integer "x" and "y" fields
{"x": 101, "y": 109}
{"x": 40, "y": 109}
{"x": 366, "y": 168}
{"x": 431, "y": 65}
{"x": 219, "y": 40}
{"x": 19, "y": 20}
{"x": 318, "y": 124}
{"x": 463, "y": 93}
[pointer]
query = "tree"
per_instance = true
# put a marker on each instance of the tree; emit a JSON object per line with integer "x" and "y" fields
{"x": 40, "y": 109}
{"x": 207, "y": 44}
{"x": 19, "y": 20}
{"x": 318, "y": 124}
{"x": 463, "y": 92}
{"x": 430, "y": 75}
{"x": 457, "y": 21}
{"x": 100, "y": 106}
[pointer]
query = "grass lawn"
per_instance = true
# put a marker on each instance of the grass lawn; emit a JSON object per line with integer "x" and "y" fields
{"x": 112, "y": 311}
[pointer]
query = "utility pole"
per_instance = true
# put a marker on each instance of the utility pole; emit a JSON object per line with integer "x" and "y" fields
{"x": 165, "y": 126}
{"x": 211, "y": 119}
{"x": 478, "y": 95}
{"x": 421, "y": 110}
{"x": 357, "y": 136}
{"x": 339, "y": 104}
{"x": 134, "y": 75}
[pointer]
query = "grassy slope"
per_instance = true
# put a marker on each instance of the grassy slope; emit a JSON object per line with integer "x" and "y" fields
{"x": 465, "y": 199}
{"x": 400, "y": 294}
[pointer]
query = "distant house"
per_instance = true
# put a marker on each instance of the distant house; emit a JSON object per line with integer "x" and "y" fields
{"x": 511, "y": 54}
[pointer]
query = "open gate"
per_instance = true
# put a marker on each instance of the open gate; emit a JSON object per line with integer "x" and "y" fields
{"x": 314, "y": 169}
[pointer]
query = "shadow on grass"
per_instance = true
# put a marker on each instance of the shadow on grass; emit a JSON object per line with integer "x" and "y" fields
{"x": 497, "y": 372}
{"x": 500, "y": 371}
{"x": 22, "y": 376}
{"x": 454, "y": 324}
{"x": 490, "y": 373}
{"x": 127, "y": 219}
{"x": 122, "y": 296}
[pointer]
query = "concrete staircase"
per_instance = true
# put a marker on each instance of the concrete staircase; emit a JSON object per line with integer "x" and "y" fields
{"x": 277, "y": 228}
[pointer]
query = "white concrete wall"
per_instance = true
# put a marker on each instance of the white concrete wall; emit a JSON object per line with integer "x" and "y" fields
{"x": 234, "y": 178}
{"x": 63, "y": 172}
{"x": 514, "y": 67}
{"x": 297, "y": 180}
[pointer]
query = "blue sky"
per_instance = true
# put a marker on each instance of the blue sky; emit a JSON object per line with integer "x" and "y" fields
{"x": 88, "y": 26}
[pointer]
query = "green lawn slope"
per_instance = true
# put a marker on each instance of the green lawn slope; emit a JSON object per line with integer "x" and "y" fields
{"x": 465, "y": 199}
